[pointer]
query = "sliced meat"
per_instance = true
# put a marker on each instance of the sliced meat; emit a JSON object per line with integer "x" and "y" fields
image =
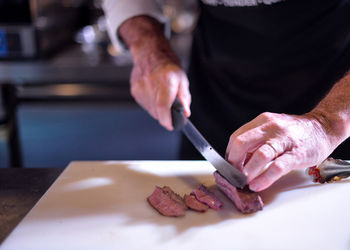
{"x": 175, "y": 197}
{"x": 192, "y": 202}
{"x": 245, "y": 201}
{"x": 205, "y": 196}
{"x": 167, "y": 202}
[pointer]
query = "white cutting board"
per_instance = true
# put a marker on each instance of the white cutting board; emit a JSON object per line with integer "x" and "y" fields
{"x": 102, "y": 205}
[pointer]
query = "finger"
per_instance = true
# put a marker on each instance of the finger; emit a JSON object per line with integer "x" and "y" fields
{"x": 165, "y": 97}
{"x": 184, "y": 94}
{"x": 163, "y": 107}
{"x": 246, "y": 127}
{"x": 279, "y": 167}
{"x": 140, "y": 94}
{"x": 258, "y": 161}
{"x": 242, "y": 144}
{"x": 256, "y": 122}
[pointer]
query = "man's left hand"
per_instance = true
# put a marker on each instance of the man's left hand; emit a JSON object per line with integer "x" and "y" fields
{"x": 271, "y": 145}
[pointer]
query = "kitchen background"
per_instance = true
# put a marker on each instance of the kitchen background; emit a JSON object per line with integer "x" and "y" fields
{"x": 46, "y": 48}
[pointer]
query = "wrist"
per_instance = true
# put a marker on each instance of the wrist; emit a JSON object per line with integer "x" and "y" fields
{"x": 334, "y": 125}
{"x": 333, "y": 111}
{"x": 146, "y": 41}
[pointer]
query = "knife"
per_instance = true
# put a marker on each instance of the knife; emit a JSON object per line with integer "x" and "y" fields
{"x": 229, "y": 172}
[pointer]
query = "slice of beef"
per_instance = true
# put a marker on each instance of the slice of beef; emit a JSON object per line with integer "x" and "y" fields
{"x": 192, "y": 202}
{"x": 167, "y": 202}
{"x": 245, "y": 200}
{"x": 174, "y": 196}
{"x": 205, "y": 196}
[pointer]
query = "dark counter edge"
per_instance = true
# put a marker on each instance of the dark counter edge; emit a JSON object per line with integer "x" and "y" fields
{"x": 20, "y": 190}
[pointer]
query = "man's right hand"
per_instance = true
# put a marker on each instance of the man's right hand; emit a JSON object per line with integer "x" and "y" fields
{"x": 155, "y": 88}
{"x": 156, "y": 78}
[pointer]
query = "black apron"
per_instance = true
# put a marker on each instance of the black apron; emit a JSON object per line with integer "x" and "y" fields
{"x": 283, "y": 58}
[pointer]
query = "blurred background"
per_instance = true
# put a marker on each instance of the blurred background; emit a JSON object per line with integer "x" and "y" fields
{"x": 65, "y": 88}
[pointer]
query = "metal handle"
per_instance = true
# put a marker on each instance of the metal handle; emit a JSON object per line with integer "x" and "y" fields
{"x": 178, "y": 115}
{"x": 330, "y": 170}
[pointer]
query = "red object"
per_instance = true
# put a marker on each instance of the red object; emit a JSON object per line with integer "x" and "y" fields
{"x": 315, "y": 173}
{"x": 167, "y": 202}
{"x": 245, "y": 201}
{"x": 194, "y": 204}
{"x": 205, "y": 196}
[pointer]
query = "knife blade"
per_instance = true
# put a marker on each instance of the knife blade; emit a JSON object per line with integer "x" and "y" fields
{"x": 181, "y": 122}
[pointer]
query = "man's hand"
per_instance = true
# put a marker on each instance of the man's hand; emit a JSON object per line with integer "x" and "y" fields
{"x": 156, "y": 78}
{"x": 287, "y": 142}
{"x": 156, "y": 87}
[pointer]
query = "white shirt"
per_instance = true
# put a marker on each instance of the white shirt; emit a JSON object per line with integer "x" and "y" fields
{"x": 117, "y": 11}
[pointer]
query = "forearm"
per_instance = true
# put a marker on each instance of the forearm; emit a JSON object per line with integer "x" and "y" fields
{"x": 146, "y": 41}
{"x": 333, "y": 112}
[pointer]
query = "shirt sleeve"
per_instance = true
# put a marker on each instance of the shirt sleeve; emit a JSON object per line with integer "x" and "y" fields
{"x": 117, "y": 11}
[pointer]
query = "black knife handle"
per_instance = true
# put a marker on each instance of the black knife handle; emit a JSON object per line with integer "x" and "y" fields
{"x": 178, "y": 115}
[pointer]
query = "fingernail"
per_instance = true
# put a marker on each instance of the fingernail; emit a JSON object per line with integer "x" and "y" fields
{"x": 253, "y": 187}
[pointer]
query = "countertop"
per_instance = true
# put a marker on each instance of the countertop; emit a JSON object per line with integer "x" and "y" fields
{"x": 20, "y": 189}
{"x": 102, "y": 205}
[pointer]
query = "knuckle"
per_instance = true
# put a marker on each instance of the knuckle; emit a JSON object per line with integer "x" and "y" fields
{"x": 276, "y": 123}
{"x": 266, "y": 115}
{"x": 173, "y": 78}
{"x": 264, "y": 153}
{"x": 230, "y": 157}
{"x": 184, "y": 79}
{"x": 238, "y": 141}
{"x": 279, "y": 168}
{"x": 232, "y": 137}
